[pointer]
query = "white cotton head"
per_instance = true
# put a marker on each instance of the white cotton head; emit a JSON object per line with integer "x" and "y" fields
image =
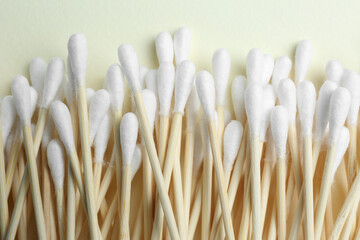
{"x": 128, "y": 136}
{"x": 183, "y": 82}
{"x": 150, "y": 106}
{"x": 142, "y": 73}
{"x": 53, "y": 79}
{"x": 206, "y": 92}
{"x": 334, "y": 71}
{"x": 322, "y": 108}
{"x": 164, "y": 48}
{"x": 227, "y": 117}
{"x": 56, "y": 162}
{"x": 70, "y": 88}
{"x": 304, "y": 51}
{"x": 339, "y": 108}
{"x": 89, "y": 95}
{"x": 165, "y": 86}
{"x": 268, "y": 67}
{"x": 254, "y": 66}
{"x": 351, "y": 81}
{"x": 8, "y": 144}
{"x": 287, "y": 97}
{"x": 182, "y": 43}
{"x": 33, "y": 101}
{"x": 279, "y": 129}
{"x": 151, "y": 81}
{"x": 270, "y": 152}
{"x": 8, "y": 117}
{"x": 37, "y": 72}
{"x": 60, "y": 94}
{"x": 192, "y": 109}
{"x": 102, "y": 138}
{"x": 198, "y": 152}
{"x": 99, "y": 106}
{"x": 21, "y": 94}
{"x": 77, "y": 48}
{"x": 130, "y": 66}
{"x": 136, "y": 162}
{"x": 269, "y": 99}
{"x": 306, "y": 100}
{"x": 115, "y": 85}
{"x": 341, "y": 147}
{"x": 253, "y": 106}
{"x": 238, "y": 88}
{"x": 281, "y": 71}
{"x": 205, "y": 135}
{"x": 221, "y": 70}
{"x": 232, "y": 139}
{"x": 48, "y": 132}
{"x": 62, "y": 119}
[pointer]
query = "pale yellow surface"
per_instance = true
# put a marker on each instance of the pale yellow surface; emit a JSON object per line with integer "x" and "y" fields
{"x": 41, "y": 28}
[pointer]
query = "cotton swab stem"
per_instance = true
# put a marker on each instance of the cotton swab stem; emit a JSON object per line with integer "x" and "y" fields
{"x": 125, "y": 202}
{"x": 187, "y": 176}
{"x": 59, "y": 195}
{"x": 281, "y": 198}
{"x": 13, "y": 159}
{"x": 70, "y": 206}
{"x": 163, "y": 138}
{"x": 109, "y": 218}
{"x": 148, "y": 197}
{"x": 195, "y": 212}
{"x": 294, "y": 150}
{"x": 46, "y": 191}
{"x": 4, "y": 213}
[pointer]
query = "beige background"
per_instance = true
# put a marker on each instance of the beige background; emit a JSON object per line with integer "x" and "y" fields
{"x": 41, "y": 28}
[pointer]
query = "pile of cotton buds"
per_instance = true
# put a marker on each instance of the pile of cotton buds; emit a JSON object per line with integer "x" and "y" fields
{"x": 273, "y": 169}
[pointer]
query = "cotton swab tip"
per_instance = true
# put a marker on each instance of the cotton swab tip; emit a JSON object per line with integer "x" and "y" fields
{"x": 281, "y": 71}
{"x": 306, "y": 100}
{"x": 164, "y": 48}
{"x": 136, "y": 162}
{"x": 77, "y": 48}
{"x": 165, "y": 85}
{"x": 351, "y": 81}
{"x": 130, "y": 66}
{"x": 192, "y": 110}
{"x": 254, "y": 66}
{"x": 221, "y": 70}
{"x": 115, "y": 86}
{"x": 183, "y": 81}
{"x": 287, "y": 97}
{"x": 56, "y": 162}
{"x": 21, "y": 94}
{"x": 182, "y": 43}
{"x": 253, "y": 106}
{"x": 268, "y": 68}
{"x": 99, "y": 105}
{"x": 339, "y": 108}
{"x": 334, "y": 71}
{"x": 53, "y": 79}
{"x": 238, "y": 88}
{"x": 342, "y": 145}
{"x": 304, "y": 51}
{"x": 102, "y": 138}
{"x": 37, "y": 72}
{"x": 62, "y": 119}
{"x": 269, "y": 99}
{"x": 151, "y": 81}
{"x": 279, "y": 129}
{"x": 232, "y": 139}
{"x": 206, "y": 92}
{"x": 150, "y": 106}
{"x": 128, "y": 136}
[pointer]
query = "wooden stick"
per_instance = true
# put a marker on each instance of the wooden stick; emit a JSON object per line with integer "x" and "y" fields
{"x": 13, "y": 160}
{"x": 187, "y": 173}
{"x": 138, "y": 225}
{"x": 4, "y": 213}
{"x": 70, "y": 210}
{"x": 255, "y": 186}
{"x": 206, "y": 195}
{"x": 350, "y": 225}
{"x": 46, "y": 187}
{"x": 294, "y": 150}
{"x": 97, "y": 177}
{"x": 109, "y": 218}
{"x": 309, "y": 208}
{"x": 220, "y": 179}
{"x": 148, "y": 191}
{"x": 352, "y": 153}
{"x": 52, "y": 223}
{"x": 281, "y": 198}
{"x": 105, "y": 183}
{"x": 60, "y": 209}
{"x": 265, "y": 188}
{"x": 159, "y": 179}
{"x": 195, "y": 212}
{"x": 324, "y": 191}
{"x": 234, "y": 183}
{"x": 329, "y": 219}
{"x": 167, "y": 171}
{"x": 163, "y": 138}
{"x": 272, "y": 226}
{"x": 220, "y": 114}
{"x": 87, "y": 162}
{"x": 34, "y": 181}
{"x": 125, "y": 202}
